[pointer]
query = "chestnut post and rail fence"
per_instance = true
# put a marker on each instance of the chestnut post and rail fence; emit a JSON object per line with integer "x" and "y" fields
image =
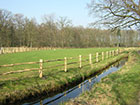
{"x": 7, "y": 50}
{"x": 80, "y": 61}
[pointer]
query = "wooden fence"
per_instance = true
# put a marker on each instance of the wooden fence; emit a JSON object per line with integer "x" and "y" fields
{"x": 6, "y": 50}
{"x": 90, "y": 59}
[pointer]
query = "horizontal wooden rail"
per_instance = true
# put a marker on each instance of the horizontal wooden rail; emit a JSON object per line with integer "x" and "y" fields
{"x": 84, "y": 56}
{"x": 85, "y": 60}
{"x": 50, "y": 67}
{"x": 85, "y": 65}
{"x": 19, "y": 71}
{"x": 72, "y": 63}
{"x": 16, "y": 64}
{"x": 53, "y": 60}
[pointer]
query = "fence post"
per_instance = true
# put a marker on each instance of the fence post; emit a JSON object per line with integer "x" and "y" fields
{"x": 117, "y": 52}
{"x": 65, "y": 64}
{"x": 90, "y": 59}
{"x": 16, "y": 50}
{"x": 3, "y": 52}
{"x": 13, "y": 50}
{"x": 97, "y": 57}
{"x": 106, "y": 54}
{"x": 112, "y": 52}
{"x": 41, "y": 68}
{"x": 109, "y": 53}
{"x": 80, "y": 61}
{"x": 102, "y": 56}
{"x": 41, "y": 103}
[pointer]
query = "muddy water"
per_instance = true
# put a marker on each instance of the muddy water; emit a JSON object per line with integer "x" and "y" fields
{"x": 77, "y": 90}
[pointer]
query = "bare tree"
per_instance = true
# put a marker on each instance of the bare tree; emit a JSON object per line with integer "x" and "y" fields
{"x": 5, "y": 27}
{"x": 30, "y": 31}
{"x": 64, "y": 22}
{"x": 116, "y": 13}
{"x": 19, "y": 22}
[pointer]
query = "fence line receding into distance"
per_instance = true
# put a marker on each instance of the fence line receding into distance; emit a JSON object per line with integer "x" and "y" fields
{"x": 90, "y": 59}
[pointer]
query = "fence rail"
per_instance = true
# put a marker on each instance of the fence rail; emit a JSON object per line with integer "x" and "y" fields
{"x": 90, "y": 59}
{"x": 6, "y": 50}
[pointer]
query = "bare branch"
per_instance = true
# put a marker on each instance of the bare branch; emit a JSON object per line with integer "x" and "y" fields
{"x": 117, "y": 13}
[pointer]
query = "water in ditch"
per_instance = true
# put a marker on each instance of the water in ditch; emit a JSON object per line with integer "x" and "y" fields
{"x": 77, "y": 90}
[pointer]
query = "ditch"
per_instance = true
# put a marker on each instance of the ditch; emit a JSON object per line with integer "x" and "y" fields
{"x": 76, "y": 90}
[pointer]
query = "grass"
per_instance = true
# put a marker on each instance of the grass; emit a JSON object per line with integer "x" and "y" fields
{"x": 45, "y": 55}
{"x": 48, "y": 54}
{"x": 19, "y": 86}
{"x": 119, "y": 88}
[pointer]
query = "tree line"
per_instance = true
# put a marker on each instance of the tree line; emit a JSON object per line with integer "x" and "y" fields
{"x": 16, "y": 30}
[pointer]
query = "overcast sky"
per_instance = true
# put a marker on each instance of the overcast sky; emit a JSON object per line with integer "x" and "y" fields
{"x": 76, "y": 10}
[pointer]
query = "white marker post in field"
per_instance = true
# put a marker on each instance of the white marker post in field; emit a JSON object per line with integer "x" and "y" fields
{"x": 65, "y": 64}
{"x": 90, "y": 60}
{"x": 41, "y": 68}
{"x": 97, "y": 54}
{"x": 80, "y": 61}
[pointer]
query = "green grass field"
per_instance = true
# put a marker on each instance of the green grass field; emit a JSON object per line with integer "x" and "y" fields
{"x": 20, "y": 85}
{"x": 35, "y": 56}
{"x": 119, "y": 88}
{"x": 48, "y": 54}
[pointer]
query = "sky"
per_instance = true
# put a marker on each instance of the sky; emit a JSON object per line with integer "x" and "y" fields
{"x": 75, "y": 10}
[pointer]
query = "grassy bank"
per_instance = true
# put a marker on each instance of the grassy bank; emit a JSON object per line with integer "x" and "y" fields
{"x": 119, "y": 88}
{"x": 23, "y": 88}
